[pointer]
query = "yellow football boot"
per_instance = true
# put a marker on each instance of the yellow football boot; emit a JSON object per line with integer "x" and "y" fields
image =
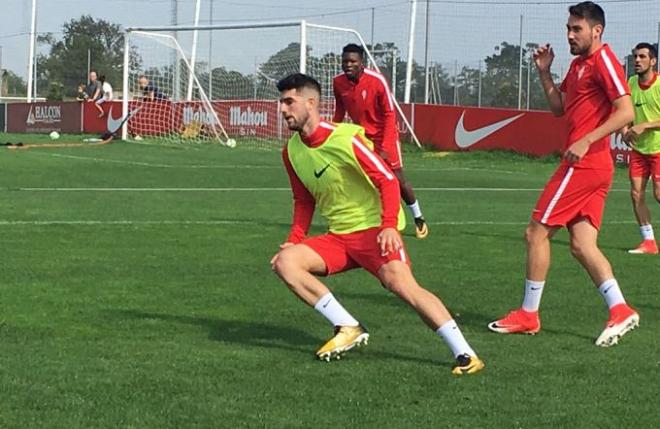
{"x": 466, "y": 364}
{"x": 421, "y": 228}
{"x": 346, "y": 337}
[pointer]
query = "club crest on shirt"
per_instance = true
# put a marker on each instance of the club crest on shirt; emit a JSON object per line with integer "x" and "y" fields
{"x": 581, "y": 71}
{"x": 364, "y": 94}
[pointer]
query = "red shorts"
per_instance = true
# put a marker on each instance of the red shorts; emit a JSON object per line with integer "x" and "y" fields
{"x": 572, "y": 194}
{"x": 390, "y": 153}
{"x": 644, "y": 166}
{"x": 343, "y": 252}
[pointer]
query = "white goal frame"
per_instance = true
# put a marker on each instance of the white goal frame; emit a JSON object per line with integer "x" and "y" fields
{"x": 302, "y": 24}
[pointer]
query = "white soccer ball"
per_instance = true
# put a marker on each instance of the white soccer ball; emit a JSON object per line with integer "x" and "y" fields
{"x": 231, "y": 143}
{"x": 54, "y": 135}
{"x": 137, "y": 138}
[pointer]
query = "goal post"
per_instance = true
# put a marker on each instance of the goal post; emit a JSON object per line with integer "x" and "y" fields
{"x": 234, "y": 95}
{"x": 167, "y": 111}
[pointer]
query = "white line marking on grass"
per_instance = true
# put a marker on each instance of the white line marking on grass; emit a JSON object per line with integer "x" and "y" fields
{"x": 158, "y": 165}
{"x": 238, "y": 222}
{"x": 482, "y": 170}
{"x": 488, "y": 222}
{"x": 234, "y": 166}
{"x": 152, "y": 189}
{"x": 256, "y": 189}
{"x": 123, "y": 222}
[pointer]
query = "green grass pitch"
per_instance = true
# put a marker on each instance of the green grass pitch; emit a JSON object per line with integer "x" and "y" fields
{"x": 136, "y": 292}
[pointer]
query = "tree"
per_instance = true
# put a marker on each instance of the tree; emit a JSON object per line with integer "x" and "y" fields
{"x": 12, "y": 84}
{"x": 500, "y": 79}
{"x": 66, "y": 63}
{"x": 282, "y": 63}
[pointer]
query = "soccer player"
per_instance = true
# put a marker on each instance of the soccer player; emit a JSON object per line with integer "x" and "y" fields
{"x": 644, "y": 138}
{"x": 595, "y": 101}
{"x": 365, "y": 95}
{"x": 332, "y": 167}
{"x": 150, "y": 92}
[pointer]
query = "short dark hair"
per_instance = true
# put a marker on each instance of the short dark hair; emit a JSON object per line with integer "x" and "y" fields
{"x": 653, "y": 51}
{"x": 353, "y": 48}
{"x": 298, "y": 81}
{"x": 102, "y": 78}
{"x": 590, "y": 11}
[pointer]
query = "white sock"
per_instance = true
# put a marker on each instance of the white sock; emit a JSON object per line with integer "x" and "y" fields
{"x": 532, "y": 298}
{"x": 647, "y": 232}
{"x": 611, "y": 293}
{"x": 414, "y": 208}
{"x": 332, "y": 310}
{"x": 454, "y": 339}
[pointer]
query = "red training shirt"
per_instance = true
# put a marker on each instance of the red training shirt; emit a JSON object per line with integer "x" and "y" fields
{"x": 590, "y": 86}
{"x": 373, "y": 166}
{"x": 369, "y": 104}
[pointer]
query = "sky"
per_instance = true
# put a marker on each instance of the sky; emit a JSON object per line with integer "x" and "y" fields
{"x": 461, "y": 32}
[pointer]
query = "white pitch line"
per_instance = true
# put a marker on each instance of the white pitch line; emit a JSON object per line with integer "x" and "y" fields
{"x": 123, "y": 222}
{"x": 258, "y": 189}
{"x": 151, "y": 189}
{"x": 238, "y": 222}
{"x": 149, "y": 164}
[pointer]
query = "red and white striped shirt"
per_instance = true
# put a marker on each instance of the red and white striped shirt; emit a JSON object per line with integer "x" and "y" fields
{"x": 369, "y": 103}
{"x": 590, "y": 86}
{"x": 374, "y": 167}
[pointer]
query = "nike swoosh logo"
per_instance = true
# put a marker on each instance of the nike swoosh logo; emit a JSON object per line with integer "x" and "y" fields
{"x": 465, "y": 138}
{"x": 115, "y": 124}
{"x": 318, "y": 174}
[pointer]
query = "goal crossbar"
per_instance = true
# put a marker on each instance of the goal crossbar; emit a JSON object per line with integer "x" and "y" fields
{"x": 302, "y": 24}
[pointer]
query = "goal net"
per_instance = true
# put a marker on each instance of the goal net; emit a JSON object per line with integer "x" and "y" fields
{"x": 224, "y": 88}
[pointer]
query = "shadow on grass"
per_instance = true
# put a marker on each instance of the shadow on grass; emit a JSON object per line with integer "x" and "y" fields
{"x": 646, "y": 306}
{"x": 519, "y": 238}
{"x": 257, "y": 334}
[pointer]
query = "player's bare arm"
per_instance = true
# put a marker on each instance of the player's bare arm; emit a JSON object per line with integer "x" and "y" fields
{"x": 637, "y": 130}
{"x": 622, "y": 114}
{"x": 543, "y": 58}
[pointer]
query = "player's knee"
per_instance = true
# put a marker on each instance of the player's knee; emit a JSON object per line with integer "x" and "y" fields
{"x": 396, "y": 278}
{"x": 533, "y": 235}
{"x": 656, "y": 194}
{"x": 637, "y": 195}
{"x": 285, "y": 263}
{"x": 578, "y": 248}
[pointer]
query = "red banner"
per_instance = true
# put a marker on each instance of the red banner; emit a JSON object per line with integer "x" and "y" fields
{"x": 240, "y": 118}
{"x": 535, "y": 133}
{"x": 468, "y": 128}
{"x": 44, "y": 117}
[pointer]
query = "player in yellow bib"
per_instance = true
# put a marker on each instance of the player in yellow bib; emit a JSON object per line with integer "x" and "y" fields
{"x": 333, "y": 168}
{"x": 644, "y": 138}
